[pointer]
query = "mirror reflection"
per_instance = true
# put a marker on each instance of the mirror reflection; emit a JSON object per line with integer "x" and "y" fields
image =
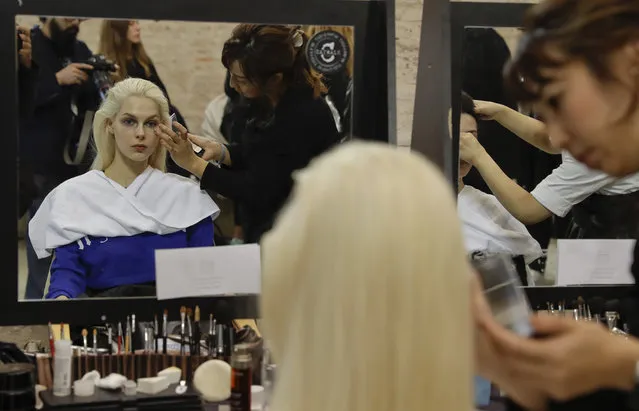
{"x": 518, "y": 194}
{"x": 144, "y": 135}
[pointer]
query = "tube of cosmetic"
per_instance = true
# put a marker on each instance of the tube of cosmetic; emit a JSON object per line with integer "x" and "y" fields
{"x": 62, "y": 368}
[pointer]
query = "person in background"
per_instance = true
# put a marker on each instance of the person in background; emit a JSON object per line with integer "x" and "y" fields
{"x": 347, "y": 298}
{"x": 578, "y": 63}
{"x": 121, "y": 42}
{"x": 602, "y": 206}
{"x": 485, "y": 53}
{"x": 105, "y": 225}
{"x": 340, "y": 84}
{"x": 289, "y": 123}
{"x": 27, "y": 77}
{"x": 487, "y": 225}
{"x": 63, "y": 92}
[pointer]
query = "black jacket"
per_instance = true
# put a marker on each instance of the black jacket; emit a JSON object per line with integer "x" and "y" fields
{"x": 300, "y": 128}
{"x": 43, "y": 137}
{"x": 27, "y": 78}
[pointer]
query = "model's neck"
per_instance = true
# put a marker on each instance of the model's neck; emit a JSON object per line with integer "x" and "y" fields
{"x": 124, "y": 171}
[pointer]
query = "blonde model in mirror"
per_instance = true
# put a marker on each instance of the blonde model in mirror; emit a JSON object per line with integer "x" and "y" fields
{"x": 104, "y": 226}
{"x": 366, "y": 287}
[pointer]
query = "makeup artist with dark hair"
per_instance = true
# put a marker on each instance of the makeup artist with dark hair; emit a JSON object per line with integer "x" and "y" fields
{"x": 289, "y": 123}
{"x": 579, "y": 65}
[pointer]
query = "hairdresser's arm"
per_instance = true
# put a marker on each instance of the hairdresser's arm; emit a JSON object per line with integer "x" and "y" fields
{"x": 527, "y": 128}
{"x": 519, "y": 202}
{"x": 68, "y": 274}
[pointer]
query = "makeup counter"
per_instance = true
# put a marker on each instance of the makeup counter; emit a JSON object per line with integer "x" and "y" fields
{"x": 136, "y": 364}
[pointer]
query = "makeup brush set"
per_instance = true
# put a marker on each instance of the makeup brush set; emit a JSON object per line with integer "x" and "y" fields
{"x": 615, "y": 314}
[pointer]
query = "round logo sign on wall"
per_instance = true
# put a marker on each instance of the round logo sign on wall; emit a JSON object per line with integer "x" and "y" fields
{"x": 328, "y": 52}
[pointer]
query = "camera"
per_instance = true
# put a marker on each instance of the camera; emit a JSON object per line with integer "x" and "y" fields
{"x": 101, "y": 73}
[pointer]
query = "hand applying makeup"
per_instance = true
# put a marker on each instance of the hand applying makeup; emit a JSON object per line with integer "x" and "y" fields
{"x": 179, "y": 145}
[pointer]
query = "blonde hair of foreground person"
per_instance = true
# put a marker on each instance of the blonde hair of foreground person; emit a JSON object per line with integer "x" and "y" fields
{"x": 366, "y": 287}
{"x": 104, "y": 141}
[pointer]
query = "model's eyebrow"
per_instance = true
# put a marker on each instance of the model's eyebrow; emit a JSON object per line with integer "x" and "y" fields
{"x": 153, "y": 117}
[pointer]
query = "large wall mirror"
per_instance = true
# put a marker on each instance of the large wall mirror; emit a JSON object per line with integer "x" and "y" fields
{"x": 89, "y": 57}
{"x": 562, "y": 222}
{"x": 99, "y": 190}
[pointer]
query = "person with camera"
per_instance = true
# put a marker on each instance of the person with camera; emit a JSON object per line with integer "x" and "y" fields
{"x": 63, "y": 93}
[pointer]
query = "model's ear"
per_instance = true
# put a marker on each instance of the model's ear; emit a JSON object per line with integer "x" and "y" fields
{"x": 109, "y": 126}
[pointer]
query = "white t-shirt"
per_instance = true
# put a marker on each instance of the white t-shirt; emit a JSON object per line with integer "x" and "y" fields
{"x": 488, "y": 226}
{"x": 572, "y": 182}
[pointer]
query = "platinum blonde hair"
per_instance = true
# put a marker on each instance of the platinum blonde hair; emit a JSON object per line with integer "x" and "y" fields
{"x": 104, "y": 141}
{"x": 366, "y": 287}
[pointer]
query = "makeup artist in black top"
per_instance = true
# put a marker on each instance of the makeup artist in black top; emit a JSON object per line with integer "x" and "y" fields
{"x": 289, "y": 123}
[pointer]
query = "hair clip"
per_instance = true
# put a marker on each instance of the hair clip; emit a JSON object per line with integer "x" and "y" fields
{"x": 298, "y": 39}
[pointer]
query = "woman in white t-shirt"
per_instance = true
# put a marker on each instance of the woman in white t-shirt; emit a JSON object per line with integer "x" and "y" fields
{"x": 601, "y": 204}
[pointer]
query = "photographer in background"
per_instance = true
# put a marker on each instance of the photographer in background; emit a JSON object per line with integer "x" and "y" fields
{"x": 63, "y": 92}
{"x": 27, "y": 75}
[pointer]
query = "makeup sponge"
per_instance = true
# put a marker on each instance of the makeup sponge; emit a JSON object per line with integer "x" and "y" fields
{"x": 212, "y": 380}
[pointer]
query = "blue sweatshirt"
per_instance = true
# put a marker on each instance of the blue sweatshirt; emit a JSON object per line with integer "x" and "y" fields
{"x": 102, "y": 263}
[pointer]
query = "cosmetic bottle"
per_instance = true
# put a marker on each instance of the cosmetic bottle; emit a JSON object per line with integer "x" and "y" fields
{"x": 62, "y": 368}
{"x": 241, "y": 378}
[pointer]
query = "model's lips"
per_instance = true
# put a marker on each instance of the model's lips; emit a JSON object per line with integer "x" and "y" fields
{"x": 139, "y": 147}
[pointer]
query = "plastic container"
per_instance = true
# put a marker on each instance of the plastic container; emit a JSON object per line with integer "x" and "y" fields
{"x": 130, "y": 388}
{"x": 84, "y": 388}
{"x": 62, "y": 368}
{"x": 504, "y": 293}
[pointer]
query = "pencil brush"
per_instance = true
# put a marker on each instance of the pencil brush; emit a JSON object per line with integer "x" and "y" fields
{"x": 197, "y": 333}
